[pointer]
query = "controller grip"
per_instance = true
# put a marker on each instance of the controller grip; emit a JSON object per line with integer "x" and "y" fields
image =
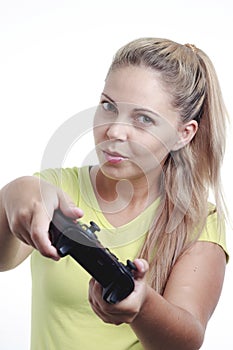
{"x": 115, "y": 292}
{"x": 81, "y": 243}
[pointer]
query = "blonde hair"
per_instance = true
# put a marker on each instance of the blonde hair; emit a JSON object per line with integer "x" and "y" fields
{"x": 189, "y": 173}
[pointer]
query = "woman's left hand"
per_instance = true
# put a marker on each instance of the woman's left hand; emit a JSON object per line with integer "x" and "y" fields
{"x": 126, "y": 310}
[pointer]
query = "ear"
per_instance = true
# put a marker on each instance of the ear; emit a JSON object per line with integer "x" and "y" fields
{"x": 186, "y": 132}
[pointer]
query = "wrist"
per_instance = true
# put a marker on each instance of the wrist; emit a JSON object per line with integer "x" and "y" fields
{"x": 145, "y": 305}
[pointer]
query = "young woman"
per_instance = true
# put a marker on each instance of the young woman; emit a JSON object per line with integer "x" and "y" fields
{"x": 159, "y": 132}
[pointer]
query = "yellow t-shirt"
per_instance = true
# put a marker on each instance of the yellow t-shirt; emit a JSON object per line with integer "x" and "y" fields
{"x": 61, "y": 315}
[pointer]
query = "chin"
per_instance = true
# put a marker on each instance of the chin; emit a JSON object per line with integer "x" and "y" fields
{"x": 120, "y": 172}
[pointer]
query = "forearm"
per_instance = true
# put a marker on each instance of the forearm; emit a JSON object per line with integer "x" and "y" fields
{"x": 13, "y": 250}
{"x": 9, "y": 244}
{"x": 161, "y": 325}
{"x": 27, "y": 205}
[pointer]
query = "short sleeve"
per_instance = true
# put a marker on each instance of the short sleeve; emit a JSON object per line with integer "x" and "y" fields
{"x": 64, "y": 178}
{"x": 215, "y": 231}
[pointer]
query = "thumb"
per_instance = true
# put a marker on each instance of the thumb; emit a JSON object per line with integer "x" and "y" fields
{"x": 142, "y": 268}
{"x": 68, "y": 207}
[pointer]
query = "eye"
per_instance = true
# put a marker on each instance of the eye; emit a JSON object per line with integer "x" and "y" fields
{"x": 144, "y": 120}
{"x": 108, "y": 106}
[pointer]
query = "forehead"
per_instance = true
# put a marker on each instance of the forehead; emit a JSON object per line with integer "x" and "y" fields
{"x": 139, "y": 85}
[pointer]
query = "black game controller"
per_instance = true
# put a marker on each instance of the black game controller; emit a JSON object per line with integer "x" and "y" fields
{"x": 80, "y": 242}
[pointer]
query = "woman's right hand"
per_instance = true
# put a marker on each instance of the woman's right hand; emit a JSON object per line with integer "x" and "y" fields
{"x": 28, "y": 204}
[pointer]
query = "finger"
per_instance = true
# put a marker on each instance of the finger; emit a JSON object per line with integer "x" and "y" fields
{"x": 91, "y": 284}
{"x": 68, "y": 207}
{"x": 21, "y": 228}
{"x": 96, "y": 302}
{"x": 25, "y": 237}
{"x": 95, "y": 291}
{"x": 142, "y": 268}
{"x": 39, "y": 234}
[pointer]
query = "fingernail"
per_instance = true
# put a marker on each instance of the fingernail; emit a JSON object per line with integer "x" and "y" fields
{"x": 55, "y": 258}
{"x": 142, "y": 267}
{"x": 78, "y": 211}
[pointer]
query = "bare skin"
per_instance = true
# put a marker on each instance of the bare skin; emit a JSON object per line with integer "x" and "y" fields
{"x": 131, "y": 144}
{"x": 26, "y": 208}
{"x": 160, "y": 322}
{"x": 178, "y": 319}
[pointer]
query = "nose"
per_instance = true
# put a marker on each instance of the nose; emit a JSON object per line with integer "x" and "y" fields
{"x": 118, "y": 131}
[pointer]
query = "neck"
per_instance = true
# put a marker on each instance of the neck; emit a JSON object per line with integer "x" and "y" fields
{"x": 117, "y": 195}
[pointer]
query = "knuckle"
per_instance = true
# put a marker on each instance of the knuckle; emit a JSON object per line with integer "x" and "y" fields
{"x": 37, "y": 206}
{"x": 24, "y": 215}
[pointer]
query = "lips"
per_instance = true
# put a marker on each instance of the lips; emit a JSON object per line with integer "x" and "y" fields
{"x": 114, "y": 157}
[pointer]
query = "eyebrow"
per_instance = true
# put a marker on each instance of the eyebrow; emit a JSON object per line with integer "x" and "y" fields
{"x": 139, "y": 109}
{"x": 109, "y": 98}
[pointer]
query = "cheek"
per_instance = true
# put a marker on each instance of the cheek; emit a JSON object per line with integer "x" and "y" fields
{"x": 165, "y": 137}
{"x": 147, "y": 153}
{"x": 99, "y": 133}
{"x": 99, "y": 127}
{"x": 151, "y": 150}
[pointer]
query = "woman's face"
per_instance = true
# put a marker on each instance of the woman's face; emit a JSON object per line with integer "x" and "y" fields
{"x": 135, "y": 126}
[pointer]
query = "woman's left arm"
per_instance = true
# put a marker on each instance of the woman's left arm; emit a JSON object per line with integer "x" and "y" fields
{"x": 178, "y": 319}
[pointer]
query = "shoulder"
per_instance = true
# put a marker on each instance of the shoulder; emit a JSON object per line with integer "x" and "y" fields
{"x": 57, "y": 176}
{"x": 68, "y": 179}
{"x": 214, "y": 230}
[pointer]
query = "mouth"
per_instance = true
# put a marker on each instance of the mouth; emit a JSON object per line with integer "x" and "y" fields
{"x": 114, "y": 157}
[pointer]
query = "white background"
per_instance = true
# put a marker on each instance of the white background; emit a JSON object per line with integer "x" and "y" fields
{"x": 54, "y": 55}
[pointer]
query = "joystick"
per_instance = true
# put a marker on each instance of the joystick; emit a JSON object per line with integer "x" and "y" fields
{"x": 81, "y": 242}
